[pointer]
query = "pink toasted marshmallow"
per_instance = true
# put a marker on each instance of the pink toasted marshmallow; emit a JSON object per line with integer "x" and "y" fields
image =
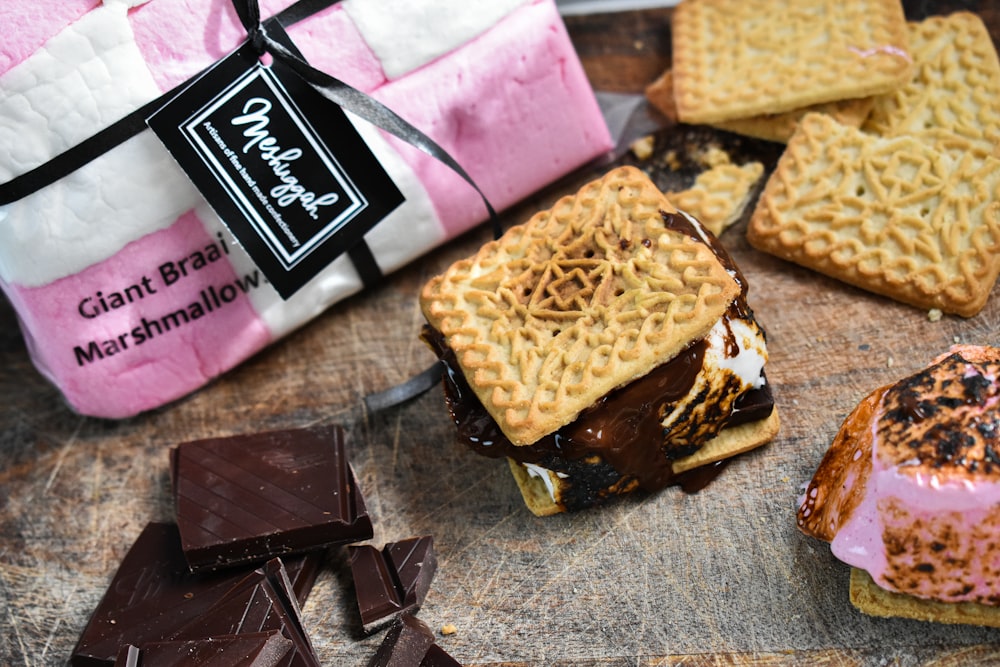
{"x": 910, "y": 488}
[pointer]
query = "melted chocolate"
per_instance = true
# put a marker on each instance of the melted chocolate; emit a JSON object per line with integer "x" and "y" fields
{"x": 696, "y": 479}
{"x": 606, "y": 430}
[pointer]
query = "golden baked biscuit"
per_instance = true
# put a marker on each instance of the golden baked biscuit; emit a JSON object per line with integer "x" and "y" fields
{"x": 898, "y": 216}
{"x": 777, "y": 127}
{"x": 742, "y": 58}
{"x": 577, "y": 301}
{"x": 955, "y": 88}
{"x": 874, "y": 600}
{"x": 719, "y": 195}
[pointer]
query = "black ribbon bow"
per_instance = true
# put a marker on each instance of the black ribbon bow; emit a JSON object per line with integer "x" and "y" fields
{"x": 333, "y": 89}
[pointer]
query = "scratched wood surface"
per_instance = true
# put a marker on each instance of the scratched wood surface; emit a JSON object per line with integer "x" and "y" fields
{"x": 717, "y": 578}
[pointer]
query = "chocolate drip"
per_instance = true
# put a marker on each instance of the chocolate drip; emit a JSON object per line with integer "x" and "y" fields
{"x": 608, "y": 430}
{"x": 696, "y": 479}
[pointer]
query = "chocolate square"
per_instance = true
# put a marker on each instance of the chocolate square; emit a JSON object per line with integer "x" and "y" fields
{"x": 410, "y": 643}
{"x": 249, "y": 498}
{"x": 262, "y": 601}
{"x": 261, "y": 649}
{"x": 153, "y": 594}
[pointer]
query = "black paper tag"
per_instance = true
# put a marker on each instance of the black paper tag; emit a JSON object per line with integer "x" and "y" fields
{"x": 281, "y": 165}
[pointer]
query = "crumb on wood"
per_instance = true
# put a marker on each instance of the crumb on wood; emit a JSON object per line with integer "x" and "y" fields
{"x": 643, "y": 148}
{"x": 671, "y": 160}
{"x": 934, "y": 314}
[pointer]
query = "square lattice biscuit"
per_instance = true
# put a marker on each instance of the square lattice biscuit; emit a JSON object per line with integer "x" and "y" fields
{"x": 579, "y": 300}
{"x": 895, "y": 216}
{"x": 741, "y": 58}
{"x": 955, "y": 89}
{"x": 777, "y": 127}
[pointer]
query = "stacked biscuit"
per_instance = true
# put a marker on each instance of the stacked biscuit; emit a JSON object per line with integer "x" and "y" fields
{"x": 603, "y": 346}
{"x": 758, "y": 66}
{"x": 890, "y": 180}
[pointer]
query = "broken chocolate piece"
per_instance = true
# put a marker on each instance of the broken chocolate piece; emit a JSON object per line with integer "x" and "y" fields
{"x": 438, "y": 657}
{"x": 245, "y": 499}
{"x": 153, "y": 594}
{"x": 405, "y": 645}
{"x": 261, "y": 649}
{"x": 410, "y": 643}
{"x": 392, "y": 581}
{"x": 263, "y": 601}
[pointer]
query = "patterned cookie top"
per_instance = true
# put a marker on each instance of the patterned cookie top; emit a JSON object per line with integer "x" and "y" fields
{"x": 955, "y": 88}
{"x": 741, "y": 58}
{"x": 911, "y": 220}
{"x": 945, "y": 420}
{"x": 577, "y": 301}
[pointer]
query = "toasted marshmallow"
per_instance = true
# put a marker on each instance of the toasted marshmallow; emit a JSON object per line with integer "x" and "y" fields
{"x": 910, "y": 488}
{"x": 733, "y": 364}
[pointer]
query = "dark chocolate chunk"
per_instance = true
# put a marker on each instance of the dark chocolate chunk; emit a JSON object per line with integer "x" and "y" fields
{"x": 405, "y": 645}
{"x": 438, "y": 657}
{"x": 246, "y": 499}
{"x": 261, "y": 649}
{"x": 262, "y": 601}
{"x": 752, "y": 406}
{"x": 410, "y": 643}
{"x": 153, "y": 594}
{"x": 392, "y": 581}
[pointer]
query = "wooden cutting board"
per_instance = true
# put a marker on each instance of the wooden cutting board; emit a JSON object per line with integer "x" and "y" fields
{"x": 721, "y": 577}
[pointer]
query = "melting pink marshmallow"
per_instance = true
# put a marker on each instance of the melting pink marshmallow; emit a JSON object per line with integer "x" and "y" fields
{"x": 910, "y": 488}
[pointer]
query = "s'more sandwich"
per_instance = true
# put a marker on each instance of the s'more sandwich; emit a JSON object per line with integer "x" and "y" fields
{"x": 908, "y": 494}
{"x": 603, "y": 346}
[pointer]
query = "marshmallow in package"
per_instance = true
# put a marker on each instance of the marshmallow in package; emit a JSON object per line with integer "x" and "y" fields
{"x": 130, "y": 290}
